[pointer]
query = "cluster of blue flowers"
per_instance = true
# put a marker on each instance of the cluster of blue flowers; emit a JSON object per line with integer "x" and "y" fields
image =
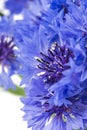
{"x": 48, "y": 49}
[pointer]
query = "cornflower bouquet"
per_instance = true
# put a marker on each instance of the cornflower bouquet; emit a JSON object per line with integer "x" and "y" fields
{"x": 47, "y": 49}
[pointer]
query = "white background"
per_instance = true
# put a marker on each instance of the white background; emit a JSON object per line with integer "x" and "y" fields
{"x": 10, "y": 113}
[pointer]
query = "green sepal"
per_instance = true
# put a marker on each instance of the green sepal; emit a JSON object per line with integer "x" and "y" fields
{"x": 18, "y": 91}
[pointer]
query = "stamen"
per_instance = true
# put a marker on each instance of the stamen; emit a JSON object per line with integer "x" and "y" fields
{"x": 54, "y": 62}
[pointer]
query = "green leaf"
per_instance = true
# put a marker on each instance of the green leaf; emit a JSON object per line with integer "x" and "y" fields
{"x": 1, "y": 14}
{"x": 18, "y": 91}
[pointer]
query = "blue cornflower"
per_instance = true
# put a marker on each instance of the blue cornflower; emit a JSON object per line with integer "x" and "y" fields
{"x": 9, "y": 54}
{"x": 54, "y": 67}
{"x": 43, "y": 114}
{"x": 55, "y": 92}
{"x": 46, "y": 59}
{"x": 49, "y": 59}
{"x": 19, "y": 5}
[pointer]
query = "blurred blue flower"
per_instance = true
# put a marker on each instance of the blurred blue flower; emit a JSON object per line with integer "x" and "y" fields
{"x": 9, "y": 53}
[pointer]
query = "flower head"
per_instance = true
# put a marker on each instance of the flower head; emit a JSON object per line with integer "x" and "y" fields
{"x": 42, "y": 114}
{"x": 49, "y": 60}
{"x": 56, "y": 85}
{"x": 46, "y": 60}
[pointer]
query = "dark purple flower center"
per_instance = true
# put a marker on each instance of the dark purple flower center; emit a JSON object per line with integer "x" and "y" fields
{"x": 59, "y": 110}
{"x": 63, "y": 111}
{"x": 54, "y": 62}
{"x": 6, "y": 49}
